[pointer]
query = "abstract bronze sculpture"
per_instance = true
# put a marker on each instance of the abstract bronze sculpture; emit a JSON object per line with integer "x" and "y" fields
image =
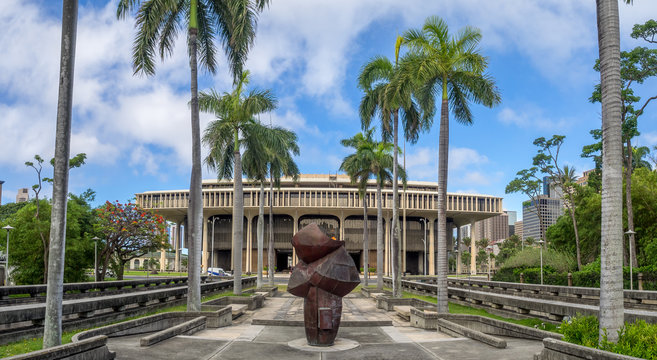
{"x": 324, "y": 274}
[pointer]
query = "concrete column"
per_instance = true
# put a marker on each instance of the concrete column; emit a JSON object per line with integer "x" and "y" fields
{"x": 342, "y": 217}
{"x": 432, "y": 248}
{"x": 204, "y": 253}
{"x": 473, "y": 249}
{"x": 295, "y": 230}
{"x": 163, "y": 258}
{"x": 176, "y": 247}
{"x": 386, "y": 253}
{"x": 249, "y": 244}
{"x": 460, "y": 248}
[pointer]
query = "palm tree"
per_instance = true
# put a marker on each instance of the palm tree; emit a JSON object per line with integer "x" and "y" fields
{"x": 234, "y": 128}
{"x": 52, "y": 331}
{"x": 359, "y": 168}
{"x": 371, "y": 159}
{"x": 388, "y": 97}
{"x": 279, "y": 145}
{"x": 453, "y": 67}
{"x": 158, "y": 23}
{"x": 611, "y": 273}
{"x": 281, "y": 163}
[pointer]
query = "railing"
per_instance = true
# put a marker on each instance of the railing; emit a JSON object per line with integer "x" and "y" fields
{"x": 543, "y": 306}
{"x": 75, "y": 289}
{"x": 26, "y": 320}
{"x": 321, "y": 197}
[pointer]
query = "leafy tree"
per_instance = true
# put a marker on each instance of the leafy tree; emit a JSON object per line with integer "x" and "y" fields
{"x": 454, "y": 67}
{"x": 75, "y": 162}
{"x": 27, "y": 252}
{"x": 127, "y": 232}
{"x": 9, "y": 209}
{"x": 528, "y": 182}
{"x": 637, "y": 66}
{"x": 508, "y": 248}
{"x": 158, "y": 23}
{"x": 235, "y": 114}
{"x": 389, "y": 96}
{"x": 547, "y": 161}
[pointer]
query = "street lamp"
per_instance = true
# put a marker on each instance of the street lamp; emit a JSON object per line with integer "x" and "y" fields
{"x": 630, "y": 233}
{"x": 8, "y": 228}
{"x": 424, "y": 241}
{"x": 540, "y": 243}
{"x": 95, "y": 239}
{"x": 458, "y": 261}
{"x": 212, "y": 246}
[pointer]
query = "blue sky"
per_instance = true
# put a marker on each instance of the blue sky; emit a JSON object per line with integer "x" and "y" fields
{"x": 135, "y": 130}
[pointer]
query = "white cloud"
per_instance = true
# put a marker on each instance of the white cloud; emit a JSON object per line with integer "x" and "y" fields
{"x": 648, "y": 138}
{"x": 462, "y": 158}
{"x": 530, "y": 116}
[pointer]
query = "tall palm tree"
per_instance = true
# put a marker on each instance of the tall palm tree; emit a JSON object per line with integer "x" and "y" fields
{"x": 158, "y": 23}
{"x": 611, "y": 273}
{"x": 234, "y": 128}
{"x": 371, "y": 159}
{"x": 453, "y": 67}
{"x": 391, "y": 98}
{"x": 52, "y": 331}
{"x": 281, "y": 164}
{"x": 359, "y": 168}
{"x": 279, "y": 145}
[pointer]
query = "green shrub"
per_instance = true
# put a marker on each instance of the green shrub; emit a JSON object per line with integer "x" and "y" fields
{"x": 635, "y": 339}
{"x": 531, "y": 257}
{"x": 581, "y": 330}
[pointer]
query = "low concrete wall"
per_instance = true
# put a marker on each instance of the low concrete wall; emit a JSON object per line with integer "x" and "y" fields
{"x": 252, "y": 302}
{"x": 451, "y": 328}
{"x": 499, "y": 327}
{"x": 186, "y": 328}
{"x": 561, "y": 350}
{"x": 92, "y": 348}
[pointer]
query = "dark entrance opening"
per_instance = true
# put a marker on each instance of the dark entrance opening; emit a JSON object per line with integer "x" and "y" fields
{"x": 356, "y": 257}
{"x": 283, "y": 260}
{"x": 413, "y": 263}
{"x": 222, "y": 259}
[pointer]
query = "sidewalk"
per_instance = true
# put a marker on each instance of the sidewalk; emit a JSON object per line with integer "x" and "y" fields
{"x": 243, "y": 340}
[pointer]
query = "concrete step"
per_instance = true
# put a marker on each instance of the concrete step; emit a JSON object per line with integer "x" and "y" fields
{"x": 238, "y": 309}
{"x": 403, "y": 311}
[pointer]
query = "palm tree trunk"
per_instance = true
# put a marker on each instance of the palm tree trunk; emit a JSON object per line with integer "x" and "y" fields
{"x": 379, "y": 237}
{"x": 261, "y": 230}
{"x": 396, "y": 270}
{"x": 611, "y": 273}
{"x": 195, "y": 210}
{"x": 270, "y": 248}
{"x": 238, "y": 219}
{"x": 366, "y": 250}
{"x": 628, "y": 201}
{"x": 443, "y": 148}
{"x": 52, "y": 333}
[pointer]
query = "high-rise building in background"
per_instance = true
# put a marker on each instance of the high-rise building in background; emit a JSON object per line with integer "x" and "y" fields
{"x": 1, "y": 182}
{"x": 549, "y": 209}
{"x": 518, "y": 228}
{"x": 584, "y": 179}
{"x": 23, "y": 195}
{"x": 513, "y": 217}
{"x": 494, "y": 229}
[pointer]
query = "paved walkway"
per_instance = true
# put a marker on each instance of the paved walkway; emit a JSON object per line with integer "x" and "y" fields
{"x": 243, "y": 340}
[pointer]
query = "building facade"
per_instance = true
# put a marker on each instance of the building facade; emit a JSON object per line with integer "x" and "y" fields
{"x": 1, "y": 182}
{"x": 549, "y": 210}
{"x": 518, "y": 229}
{"x": 332, "y": 202}
{"x": 23, "y": 195}
{"x": 494, "y": 229}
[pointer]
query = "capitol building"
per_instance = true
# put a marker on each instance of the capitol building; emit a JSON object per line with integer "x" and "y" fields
{"x": 332, "y": 202}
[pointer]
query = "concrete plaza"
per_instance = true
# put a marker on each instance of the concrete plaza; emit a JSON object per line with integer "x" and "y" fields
{"x": 247, "y": 340}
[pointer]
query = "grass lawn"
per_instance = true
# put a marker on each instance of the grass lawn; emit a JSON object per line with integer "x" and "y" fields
{"x": 34, "y": 344}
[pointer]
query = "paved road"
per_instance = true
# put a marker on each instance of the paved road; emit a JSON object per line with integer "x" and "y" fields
{"x": 243, "y": 340}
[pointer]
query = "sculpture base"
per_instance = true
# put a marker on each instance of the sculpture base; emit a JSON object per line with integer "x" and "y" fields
{"x": 340, "y": 344}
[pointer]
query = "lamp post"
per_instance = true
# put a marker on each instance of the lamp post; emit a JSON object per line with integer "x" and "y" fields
{"x": 458, "y": 261}
{"x": 629, "y": 233}
{"x": 424, "y": 241}
{"x": 8, "y": 228}
{"x": 540, "y": 242}
{"x": 212, "y": 246}
{"x": 95, "y": 239}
